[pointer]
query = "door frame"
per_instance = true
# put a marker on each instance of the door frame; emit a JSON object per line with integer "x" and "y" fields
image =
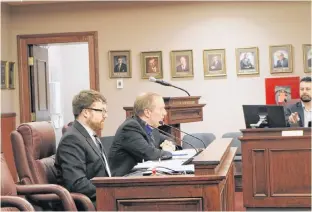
{"x": 23, "y": 41}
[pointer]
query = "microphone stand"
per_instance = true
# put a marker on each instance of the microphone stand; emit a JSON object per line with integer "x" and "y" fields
{"x": 181, "y": 89}
{"x": 184, "y": 132}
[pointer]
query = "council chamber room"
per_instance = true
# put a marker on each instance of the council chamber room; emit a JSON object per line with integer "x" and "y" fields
{"x": 156, "y": 106}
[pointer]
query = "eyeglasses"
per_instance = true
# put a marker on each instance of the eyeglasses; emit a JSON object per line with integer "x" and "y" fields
{"x": 98, "y": 110}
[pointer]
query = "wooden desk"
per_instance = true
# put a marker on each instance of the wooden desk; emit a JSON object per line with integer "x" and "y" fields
{"x": 276, "y": 168}
{"x": 211, "y": 188}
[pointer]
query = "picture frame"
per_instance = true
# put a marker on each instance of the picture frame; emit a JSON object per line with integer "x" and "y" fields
{"x": 214, "y": 62}
{"x": 307, "y": 57}
{"x": 11, "y": 75}
{"x": 247, "y": 61}
{"x": 281, "y": 59}
{"x": 4, "y": 74}
{"x": 279, "y": 90}
{"x": 151, "y": 64}
{"x": 120, "y": 64}
{"x": 181, "y": 63}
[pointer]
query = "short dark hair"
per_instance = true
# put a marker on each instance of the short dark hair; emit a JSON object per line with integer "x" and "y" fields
{"x": 85, "y": 99}
{"x": 306, "y": 79}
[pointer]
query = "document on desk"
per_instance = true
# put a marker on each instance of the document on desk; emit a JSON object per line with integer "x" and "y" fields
{"x": 178, "y": 158}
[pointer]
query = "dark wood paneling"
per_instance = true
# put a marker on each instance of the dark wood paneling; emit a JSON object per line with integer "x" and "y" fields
{"x": 259, "y": 173}
{"x": 276, "y": 168}
{"x": 8, "y": 124}
{"x": 286, "y": 162}
{"x": 178, "y": 204}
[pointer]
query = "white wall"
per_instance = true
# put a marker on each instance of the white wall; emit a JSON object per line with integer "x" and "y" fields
{"x": 69, "y": 65}
{"x": 166, "y": 26}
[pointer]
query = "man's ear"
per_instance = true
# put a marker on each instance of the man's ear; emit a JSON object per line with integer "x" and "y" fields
{"x": 84, "y": 113}
{"x": 147, "y": 113}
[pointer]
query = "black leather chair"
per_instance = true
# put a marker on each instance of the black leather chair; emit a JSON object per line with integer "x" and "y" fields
{"x": 207, "y": 138}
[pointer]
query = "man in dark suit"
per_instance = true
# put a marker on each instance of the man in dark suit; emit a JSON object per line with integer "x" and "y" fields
{"x": 183, "y": 67}
{"x": 299, "y": 114}
{"x": 215, "y": 64}
{"x": 136, "y": 139}
{"x": 80, "y": 155}
{"x": 282, "y": 62}
{"x": 120, "y": 66}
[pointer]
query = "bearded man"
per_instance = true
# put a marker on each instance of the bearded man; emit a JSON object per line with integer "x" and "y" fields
{"x": 80, "y": 155}
{"x": 300, "y": 113}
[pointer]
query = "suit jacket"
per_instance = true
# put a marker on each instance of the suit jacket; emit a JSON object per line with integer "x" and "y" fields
{"x": 280, "y": 65}
{"x": 179, "y": 68}
{"x": 78, "y": 160}
{"x": 297, "y": 107}
{"x": 132, "y": 144}
{"x": 123, "y": 68}
{"x": 217, "y": 66}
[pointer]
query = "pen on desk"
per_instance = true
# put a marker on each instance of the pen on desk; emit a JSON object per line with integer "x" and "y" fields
{"x": 182, "y": 154}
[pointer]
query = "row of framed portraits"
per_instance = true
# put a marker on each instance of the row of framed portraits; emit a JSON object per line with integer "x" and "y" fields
{"x": 7, "y": 75}
{"x": 247, "y": 62}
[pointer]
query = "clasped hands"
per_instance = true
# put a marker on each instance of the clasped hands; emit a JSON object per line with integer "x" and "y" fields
{"x": 168, "y": 146}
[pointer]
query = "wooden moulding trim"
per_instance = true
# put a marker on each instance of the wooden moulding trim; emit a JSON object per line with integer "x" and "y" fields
{"x": 8, "y": 115}
{"x": 90, "y": 37}
{"x": 262, "y": 138}
{"x": 156, "y": 180}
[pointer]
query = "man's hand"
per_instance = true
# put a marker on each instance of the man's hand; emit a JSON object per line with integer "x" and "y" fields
{"x": 293, "y": 118}
{"x": 167, "y": 146}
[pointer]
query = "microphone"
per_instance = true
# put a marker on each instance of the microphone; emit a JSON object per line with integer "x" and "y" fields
{"x": 153, "y": 79}
{"x": 162, "y": 82}
{"x": 171, "y": 136}
{"x": 163, "y": 124}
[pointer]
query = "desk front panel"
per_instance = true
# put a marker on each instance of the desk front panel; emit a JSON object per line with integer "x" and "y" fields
{"x": 277, "y": 172}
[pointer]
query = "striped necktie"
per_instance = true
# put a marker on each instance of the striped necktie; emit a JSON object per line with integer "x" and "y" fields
{"x": 99, "y": 145}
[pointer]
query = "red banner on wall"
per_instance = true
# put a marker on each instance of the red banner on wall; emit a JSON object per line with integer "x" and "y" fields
{"x": 281, "y": 89}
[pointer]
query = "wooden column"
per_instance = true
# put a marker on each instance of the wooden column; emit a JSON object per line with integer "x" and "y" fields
{"x": 8, "y": 124}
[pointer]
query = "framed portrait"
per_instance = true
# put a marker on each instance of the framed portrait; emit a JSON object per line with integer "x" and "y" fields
{"x": 182, "y": 63}
{"x": 214, "y": 62}
{"x": 4, "y": 74}
{"x": 120, "y": 64}
{"x": 151, "y": 64}
{"x": 247, "y": 61}
{"x": 281, "y": 59}
{"x": 11, "y": 75}
{"x": 307, "y": 57}
{"x": 279, "y": 90}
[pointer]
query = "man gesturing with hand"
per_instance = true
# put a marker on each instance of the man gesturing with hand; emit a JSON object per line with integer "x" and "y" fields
{"x": 300, "y": 113}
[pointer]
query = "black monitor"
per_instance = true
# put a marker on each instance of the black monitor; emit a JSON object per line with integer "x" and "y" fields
{"x": 262, "y": 116}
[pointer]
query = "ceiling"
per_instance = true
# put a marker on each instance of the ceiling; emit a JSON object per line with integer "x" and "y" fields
{"x": 28, "y": 2}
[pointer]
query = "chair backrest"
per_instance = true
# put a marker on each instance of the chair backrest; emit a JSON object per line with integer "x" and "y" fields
{"x": 235, "y": 141}
{"x": 34, "y": 152}
{"x": 207, "y": 138}
{"x": 8, "y": 187}
{"x": 65, "y": 127}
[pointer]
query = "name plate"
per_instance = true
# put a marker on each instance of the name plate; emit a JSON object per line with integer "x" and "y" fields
{"x": 183, "y": 102}
{"x": 292, "y": 133}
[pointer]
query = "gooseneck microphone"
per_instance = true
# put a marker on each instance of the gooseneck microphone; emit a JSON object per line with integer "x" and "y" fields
{"x": 162, "y": 82}
{"x": 173, "y": 137}
{"x": 163, "y": 124}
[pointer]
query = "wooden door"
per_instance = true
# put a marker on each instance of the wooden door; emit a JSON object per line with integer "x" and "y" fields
{"x": 39, "y": 83}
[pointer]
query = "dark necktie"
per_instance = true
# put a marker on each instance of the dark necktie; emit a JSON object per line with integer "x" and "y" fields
{"x": 99, "y": 145}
